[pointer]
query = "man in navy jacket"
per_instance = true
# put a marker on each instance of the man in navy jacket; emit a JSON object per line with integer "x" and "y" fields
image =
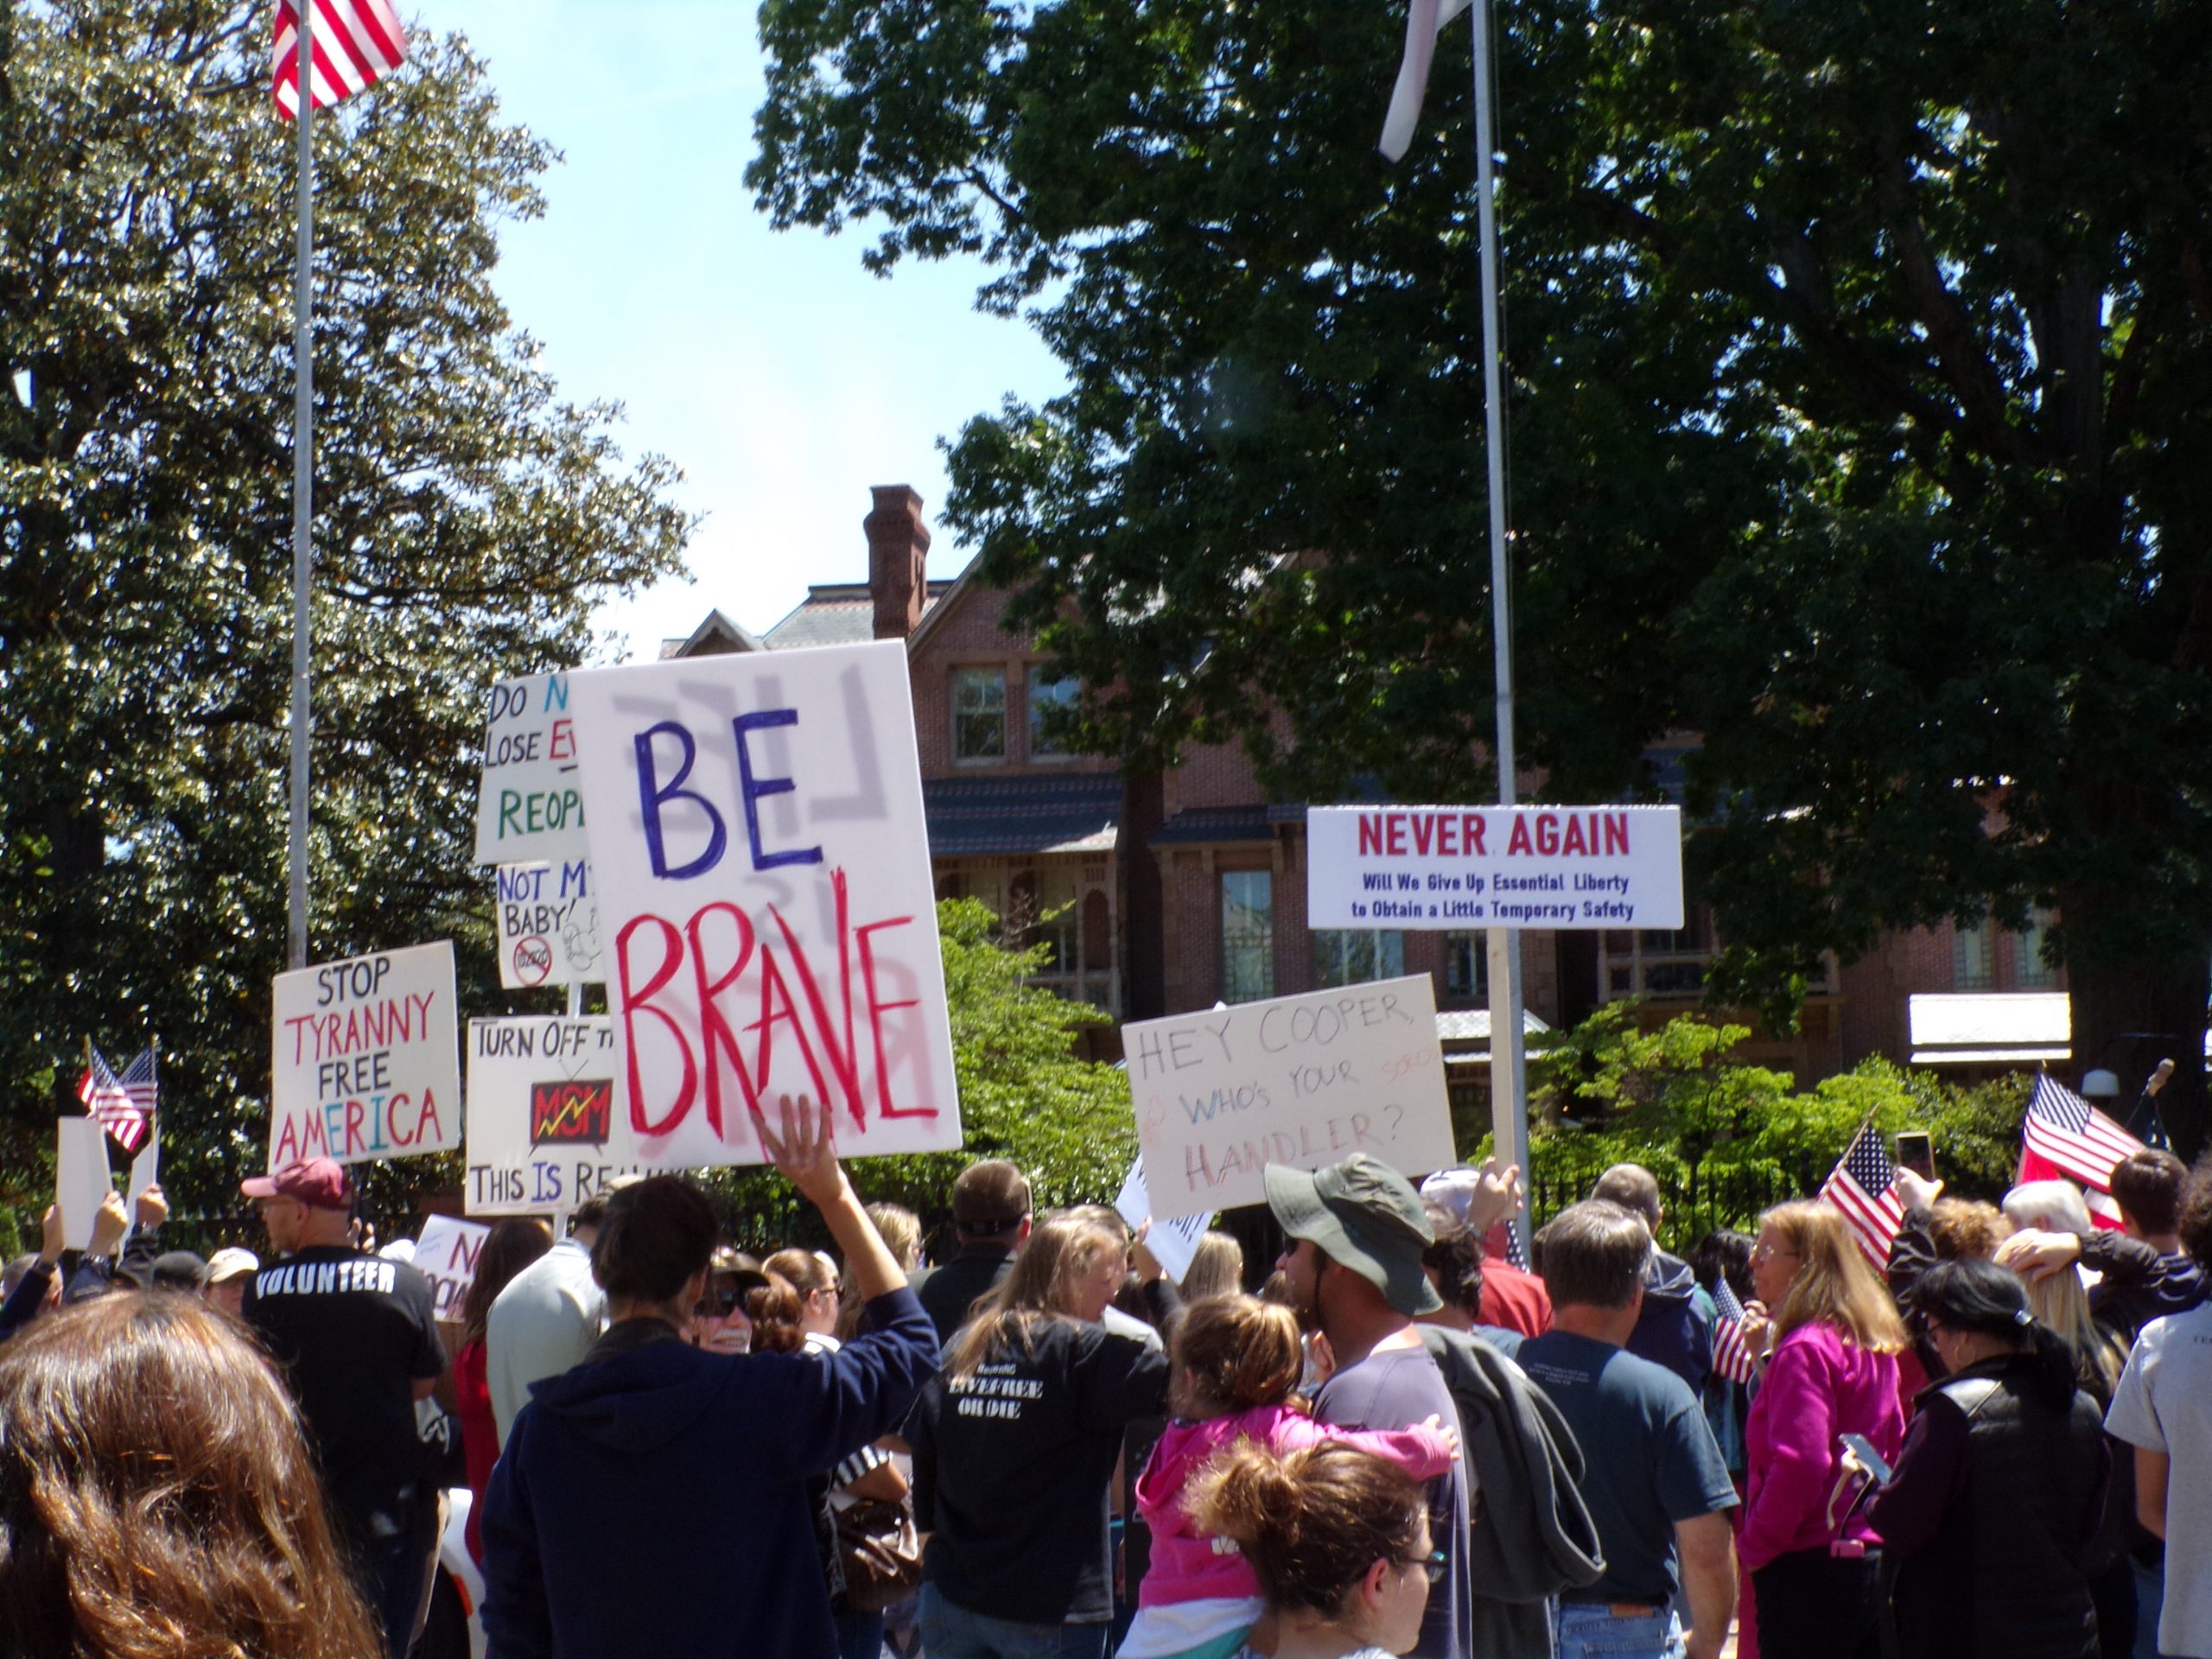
{"x": 654, "y": 1499}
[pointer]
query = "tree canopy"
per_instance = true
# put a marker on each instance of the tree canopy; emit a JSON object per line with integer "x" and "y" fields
{"x": 1858, "y": 380}
{"x": 466, "y": 520}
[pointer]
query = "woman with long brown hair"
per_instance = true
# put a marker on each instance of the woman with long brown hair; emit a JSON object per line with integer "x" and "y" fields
{"x": 514, "y": 1243}
{"x": 1832, "y": 1371}
{"x": 1014, "y": 1445}
{"x": 156, "y": 1496}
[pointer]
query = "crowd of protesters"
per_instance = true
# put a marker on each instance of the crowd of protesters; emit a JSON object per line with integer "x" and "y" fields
{"x": 1997, "y": 1441}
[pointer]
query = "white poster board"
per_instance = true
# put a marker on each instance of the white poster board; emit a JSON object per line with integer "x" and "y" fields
{"x": 762, "y": 869}
{"x": 146, "y": 1168}
{"x": 365, "y": 1058}
{"x": 1172, "y": 1243}
{"x": 1305, "y": 1080}
{"x": 527, "y": 804}
{"x": 543, "y": 1132}
{"x": 80, "y": 1177}
{"x": 446, "y": 1255}
{"x": 549, "y": 926}
{"x": 1465, "y": 868}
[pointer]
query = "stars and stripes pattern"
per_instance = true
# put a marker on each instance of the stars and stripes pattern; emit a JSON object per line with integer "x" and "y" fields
{"x": 356, "y": 43}
{"x": 123, "y": 1104}
{"x": 1864, "y": 1187}
{"x": 2065, "y": 1138}
{"x": 1731, "y": 1355}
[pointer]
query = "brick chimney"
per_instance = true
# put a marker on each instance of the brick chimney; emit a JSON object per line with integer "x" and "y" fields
{"x": 898, "y": 545}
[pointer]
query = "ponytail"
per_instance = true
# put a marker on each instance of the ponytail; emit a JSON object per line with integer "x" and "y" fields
{"x": 1310, "y": 1523}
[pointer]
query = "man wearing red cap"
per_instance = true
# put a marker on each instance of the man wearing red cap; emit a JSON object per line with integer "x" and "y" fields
{"x": 356, "y": 1338}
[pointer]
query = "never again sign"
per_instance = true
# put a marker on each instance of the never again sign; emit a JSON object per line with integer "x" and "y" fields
{"x": 761, "y": 868}
{"x": 365, "y": 1058}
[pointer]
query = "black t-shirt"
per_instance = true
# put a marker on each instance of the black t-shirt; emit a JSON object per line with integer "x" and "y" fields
{"x": 354, "y": 1334}
{"x": 1011, "y": 1467}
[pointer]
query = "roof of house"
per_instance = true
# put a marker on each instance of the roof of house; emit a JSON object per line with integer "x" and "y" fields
{"x": 839, "y": 613}
{"x": 1063, "y": 812}
{"x": 715, "y": 636}
{"x": 1198, "y": 825}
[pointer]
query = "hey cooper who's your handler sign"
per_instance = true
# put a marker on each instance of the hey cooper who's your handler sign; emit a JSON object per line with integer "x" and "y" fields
{"x": 1475, "y": 867}
{"x": 1304, "y": 1080}
{"x": 762, "y": 868}
{"x": 542, "y": 1130}
{"x": 366, "y": 1059}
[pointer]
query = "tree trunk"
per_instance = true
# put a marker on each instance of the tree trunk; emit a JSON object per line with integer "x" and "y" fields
{"x": 2129, "y": 1016}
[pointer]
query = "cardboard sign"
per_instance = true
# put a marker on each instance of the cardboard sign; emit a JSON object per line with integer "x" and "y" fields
{"x": 80, "y": 1177}
{"x": 543, "y": 1132}
{"x": 549, "y": 926}
{"x": 1454, "y": 868}
{"x": 365, "y": 1058}
{"x": 762, "y": 869}
{"x": 1172, "y": 1243}
{"x": 146, "y": 1168}
{"x": 527, "y": 804}
{"x": 1304, "y": 1080}
{"x": 446, "y": 1255}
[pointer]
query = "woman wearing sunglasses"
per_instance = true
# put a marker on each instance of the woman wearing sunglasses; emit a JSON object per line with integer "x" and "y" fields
{"x": 1339, "y": 1539}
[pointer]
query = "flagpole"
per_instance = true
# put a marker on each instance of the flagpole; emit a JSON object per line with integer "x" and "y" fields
{"x": 295, "y": 945}
{"x": 1509, "y": 1064}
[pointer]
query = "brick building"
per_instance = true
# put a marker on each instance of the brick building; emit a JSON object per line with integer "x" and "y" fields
{"x": 1160, "y": 892}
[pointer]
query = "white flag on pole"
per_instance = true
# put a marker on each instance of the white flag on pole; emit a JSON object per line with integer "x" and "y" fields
{"x": 1425, "y": 19}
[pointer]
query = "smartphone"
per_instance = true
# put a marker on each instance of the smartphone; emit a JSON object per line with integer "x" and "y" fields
{"x": 1861, "y": 1447}
{"x": 1916, "y": 1152}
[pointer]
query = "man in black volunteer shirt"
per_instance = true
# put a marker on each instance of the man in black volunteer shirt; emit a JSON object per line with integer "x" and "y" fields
{"x": 991, "y": 1216}
{"x": 357, "y": 1339}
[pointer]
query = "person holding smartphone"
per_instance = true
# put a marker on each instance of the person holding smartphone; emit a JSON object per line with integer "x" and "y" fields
{"x": 1993, "y": 1510}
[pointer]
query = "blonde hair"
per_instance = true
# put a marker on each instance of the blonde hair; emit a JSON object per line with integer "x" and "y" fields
{"x": 1834, "y": 1284}
{"x": 900, "y": 1229}
{"x": 2061, "y": 1299}
{"x": 1217, "y": 1268}
{"x": 1240, "y": 1352}
{"x": 1040, "y": 1286}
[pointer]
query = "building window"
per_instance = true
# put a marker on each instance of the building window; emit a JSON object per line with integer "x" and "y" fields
{"x": 1466, "y": 967}
{"x": 1973, "y": 955}
{"x": 2032, "y": 972}
{"x": 979, "y": 714}
{"x": 1656, "y": 962}
{"x": 1248, "y": 936}
{"x": 1045, "y": 696}
{"x": 1354, "y": 956}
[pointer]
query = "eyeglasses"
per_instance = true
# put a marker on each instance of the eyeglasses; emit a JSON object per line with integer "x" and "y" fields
{"x": 1435, "y": 1564}
{"x": 1766, "y": 1252}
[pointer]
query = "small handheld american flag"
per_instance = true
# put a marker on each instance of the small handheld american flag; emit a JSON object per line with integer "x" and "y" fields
{"x": 1731, "y": 1355}
{"x": 121, "y": 1103}
{"x": 1863, "y": 1187}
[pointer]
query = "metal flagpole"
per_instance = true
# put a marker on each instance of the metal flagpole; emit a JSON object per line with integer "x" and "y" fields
{"x": 302, "y": 484}
{"x": 1508, "y": 1068}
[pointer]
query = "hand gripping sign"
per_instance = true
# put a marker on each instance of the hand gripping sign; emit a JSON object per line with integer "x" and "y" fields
{"x": 366, "y": 1059}
{"x": 761, "y": 868}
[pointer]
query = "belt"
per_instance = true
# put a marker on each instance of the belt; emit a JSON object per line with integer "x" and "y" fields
{"x": 1622, "y": 1604}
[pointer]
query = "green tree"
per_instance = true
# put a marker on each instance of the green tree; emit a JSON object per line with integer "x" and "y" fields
{"x": 1026, "y": 1094}
{"x": 1859, "y": 377}
{"x": 467, "y": 520}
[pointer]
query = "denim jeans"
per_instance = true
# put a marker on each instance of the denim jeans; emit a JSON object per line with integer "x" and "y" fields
{"x": 951, "y": 1633}
{"x": 1595, "y": 1630}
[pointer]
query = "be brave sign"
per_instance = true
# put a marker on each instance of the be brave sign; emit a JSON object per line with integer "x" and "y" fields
{"x": 760, "y": 865}
{"x": 366, "y": 1059}
{"x": 1453, "y": 867}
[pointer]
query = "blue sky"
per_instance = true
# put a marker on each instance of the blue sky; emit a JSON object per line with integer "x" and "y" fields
{"x": 782, "y": 378}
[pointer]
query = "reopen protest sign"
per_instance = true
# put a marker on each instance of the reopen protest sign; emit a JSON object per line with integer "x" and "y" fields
{"x": 1481, "y": 866}
{"x": 528, "y": 807}
{"x": 446, "y": 1255}
{"x": 761, "y": 868}
{"x": 365, "y": 1058}
{"x": 548, "y": 927}
{"x": 1305, "y": 1080}
{"x": 543, "y": 1131}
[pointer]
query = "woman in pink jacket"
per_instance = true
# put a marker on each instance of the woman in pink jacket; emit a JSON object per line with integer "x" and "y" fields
{"x": 1832, "y": 1371}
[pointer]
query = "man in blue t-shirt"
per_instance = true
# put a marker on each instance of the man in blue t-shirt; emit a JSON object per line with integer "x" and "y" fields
{"x": 1657, "y": 1487}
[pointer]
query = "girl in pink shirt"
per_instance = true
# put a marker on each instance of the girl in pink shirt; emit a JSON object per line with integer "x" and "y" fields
{"x": 1237, "y": 1360}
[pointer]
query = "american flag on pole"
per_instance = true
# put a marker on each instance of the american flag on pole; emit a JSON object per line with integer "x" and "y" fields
{"x": 120, "y": 1103}
{"x": 1863, "y": 1187}
{"x": 1425, "y": 19}
{"x": 356, "y": 44}
{"x": 1731, "y": 1355}
{"x": 2065, "y": 1138}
